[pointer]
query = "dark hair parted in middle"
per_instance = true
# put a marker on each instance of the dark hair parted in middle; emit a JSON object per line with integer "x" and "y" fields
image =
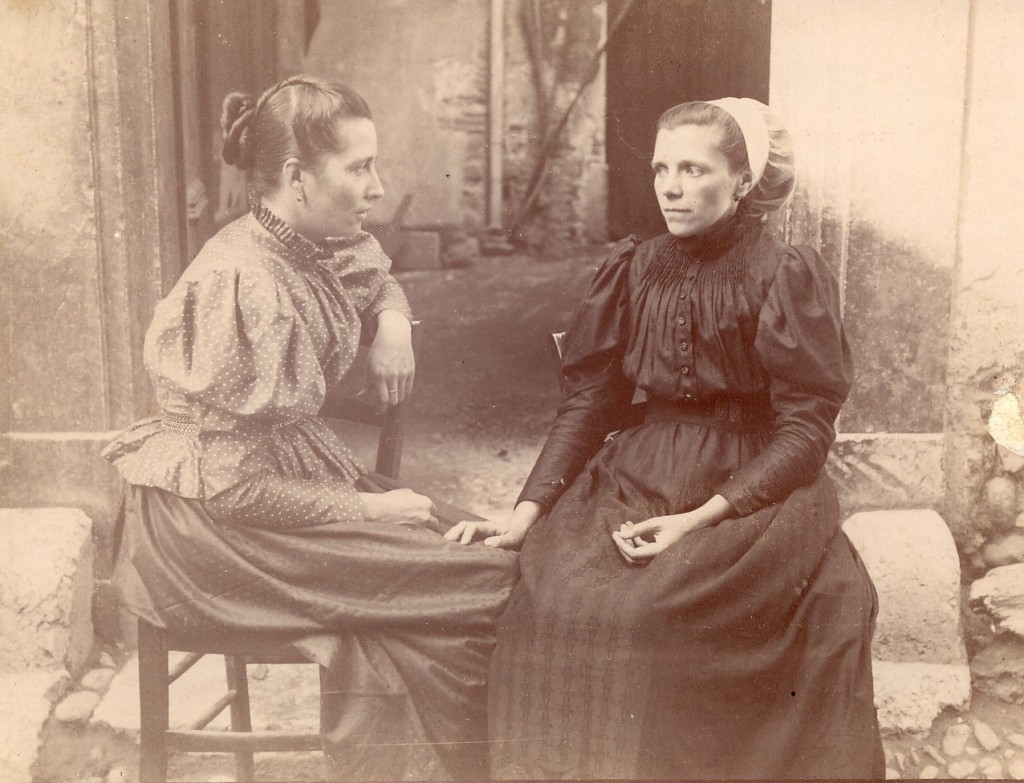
{"x": 293, "y": 119}
{"x": 705, "y": 114}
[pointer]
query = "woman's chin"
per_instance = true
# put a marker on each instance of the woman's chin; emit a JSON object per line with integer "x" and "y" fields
{"x": 683, "y": 232}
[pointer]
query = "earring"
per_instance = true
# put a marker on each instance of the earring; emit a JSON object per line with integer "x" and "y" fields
{"x": 300, "y": 194}
{"x": 737, "y": 197}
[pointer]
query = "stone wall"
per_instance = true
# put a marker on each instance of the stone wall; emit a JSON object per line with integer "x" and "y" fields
{"x": 424, "y": 68}
{"x": 904, "y": 135}
{"x": 982, "y": 495}
{"x": 87, "y": 229}
{"x": 984, "y": 481}
{"x": 550, "y": 50}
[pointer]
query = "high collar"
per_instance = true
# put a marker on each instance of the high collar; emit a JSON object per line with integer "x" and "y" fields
{"x": 305, "y": 249}
{"x": 718, "y": 238}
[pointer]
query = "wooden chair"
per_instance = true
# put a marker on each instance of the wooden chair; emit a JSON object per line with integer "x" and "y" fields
{"x": 157, "y": 739}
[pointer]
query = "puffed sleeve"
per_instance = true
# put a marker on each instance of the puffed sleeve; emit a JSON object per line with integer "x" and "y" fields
{"x": 802, "y": 347}
{"x": 231, "y": 339}
{"x": 596, "y": 394}
{"x": 390, "y": 297}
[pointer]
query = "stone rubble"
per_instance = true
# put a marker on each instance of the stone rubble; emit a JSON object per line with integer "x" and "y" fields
{"x": 97, "y": 679}
{"x": 955, "y": 741}
{"x": 77, "y": 708}
{"x": 1000, "y": 594}
{"x": 986, "y": 737}
{"x": 46, "y": 631}
{"x": 970, "y": 749}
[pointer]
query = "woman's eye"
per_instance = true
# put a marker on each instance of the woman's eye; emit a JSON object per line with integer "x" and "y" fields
{"x": 693, "y": 171}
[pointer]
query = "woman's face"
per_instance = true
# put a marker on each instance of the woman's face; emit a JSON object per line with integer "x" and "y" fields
{"x": 343, "y": 187}
{"x": 692, "y": 179}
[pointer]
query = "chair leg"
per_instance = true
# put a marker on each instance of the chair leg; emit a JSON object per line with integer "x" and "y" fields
{"x": 241, "y": 720}
{"x": 153, "y": 704}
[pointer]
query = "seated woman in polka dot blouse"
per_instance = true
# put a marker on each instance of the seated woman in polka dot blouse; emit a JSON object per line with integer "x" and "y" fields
{"x": 244, "y": 511}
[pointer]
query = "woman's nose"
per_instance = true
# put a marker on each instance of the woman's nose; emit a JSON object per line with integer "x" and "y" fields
{"x": 671, "y": 187}
{"x": 376, "y": 188}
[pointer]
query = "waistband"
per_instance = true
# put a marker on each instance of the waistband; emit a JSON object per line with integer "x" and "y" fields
{"x": 737, "y": 414}
{"x": 183, "y": 424}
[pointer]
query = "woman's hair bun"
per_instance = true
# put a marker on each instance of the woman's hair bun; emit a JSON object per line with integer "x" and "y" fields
{"x": 235, "y": 117}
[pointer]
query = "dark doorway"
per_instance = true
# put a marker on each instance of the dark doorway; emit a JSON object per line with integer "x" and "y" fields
{"x": 666, "y": 52}
{"x": 220, "y": 47}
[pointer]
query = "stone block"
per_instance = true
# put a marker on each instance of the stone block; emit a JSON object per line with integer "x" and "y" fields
{"x": 920, "y": 662}
{"x": 998, "y": 669}
{"x": 895, "y": 471}
{"x": 915, "y": 567}
{"x": 462, "y": 252}
{"x": 28, "y": 696}
{"x": 1000, "y": 496}
{"x": 1004, "y": 550}
{"x": 910, "y": 696}
{"x": 283, "y": 697}
{"x": 417, "y": 250}
{"x": 1011, "y": 461}
{"x": 58, "y": 469}
{"x": 45, "y": 589}
{"x": 1000, "y": 593}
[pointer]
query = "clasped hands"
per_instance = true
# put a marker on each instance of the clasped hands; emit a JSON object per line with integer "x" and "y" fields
{"x": 639, "y": 543}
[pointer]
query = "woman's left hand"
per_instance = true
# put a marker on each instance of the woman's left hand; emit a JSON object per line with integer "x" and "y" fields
{"x": 639, "y": 543}
{"x": 391, "y": 367}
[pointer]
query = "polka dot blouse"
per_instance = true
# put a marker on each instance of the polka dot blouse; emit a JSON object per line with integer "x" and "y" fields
{"x": 242, "y": 352}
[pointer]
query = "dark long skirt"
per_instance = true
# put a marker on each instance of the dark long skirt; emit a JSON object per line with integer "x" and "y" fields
{"x": 743, "y": 651}
{"x": 402, "y": 620}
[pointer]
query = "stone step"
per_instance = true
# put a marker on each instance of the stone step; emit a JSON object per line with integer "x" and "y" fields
{"x": 46, "y": 586}
{"x": 920, "y": 661}
{"x": 28, "y": 696}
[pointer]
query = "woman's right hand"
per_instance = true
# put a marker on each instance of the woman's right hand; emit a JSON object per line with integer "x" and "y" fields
{"x": 399, "y": 506}
{"x": 507, "y": 535}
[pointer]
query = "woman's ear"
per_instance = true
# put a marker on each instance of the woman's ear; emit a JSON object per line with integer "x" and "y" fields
{"x": 291, "y": 176}
{"x": 746, "y": 183}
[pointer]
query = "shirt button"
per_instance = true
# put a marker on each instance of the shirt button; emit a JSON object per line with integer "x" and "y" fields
{"x": 684, "y": 346}
{"x": 681, "y": 321}
{"x": 682, "y": 296}
{"x": 686, "y": 371}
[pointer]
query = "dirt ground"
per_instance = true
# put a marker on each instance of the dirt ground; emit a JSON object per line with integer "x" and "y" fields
{"x": 487, "y": 383}
{"x": 486, "y": 392}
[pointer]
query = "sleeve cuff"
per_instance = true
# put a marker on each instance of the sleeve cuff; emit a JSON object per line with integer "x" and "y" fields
{"x": 543, "y": 493}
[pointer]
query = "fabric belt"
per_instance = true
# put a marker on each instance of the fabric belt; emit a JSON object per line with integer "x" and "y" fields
{"x": 737, "y": 414}
{"x": 179, "y": 422}
{"x": 183, "y": 424}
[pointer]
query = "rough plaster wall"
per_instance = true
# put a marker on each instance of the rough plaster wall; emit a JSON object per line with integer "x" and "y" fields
{"x": 874, "y": 99}
{"x": 984, "y": 495}
{"x": 52, "y": 346}
{"x": 422, "y": 67}
{"x": 572, "y": 204}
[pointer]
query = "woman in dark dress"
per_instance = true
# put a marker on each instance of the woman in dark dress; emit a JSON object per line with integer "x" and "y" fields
{"x": 246, "y": 511}
{"x": 689, "y": 606}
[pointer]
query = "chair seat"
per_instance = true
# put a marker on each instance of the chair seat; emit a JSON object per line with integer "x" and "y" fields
{"x": 254, "y": 647}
